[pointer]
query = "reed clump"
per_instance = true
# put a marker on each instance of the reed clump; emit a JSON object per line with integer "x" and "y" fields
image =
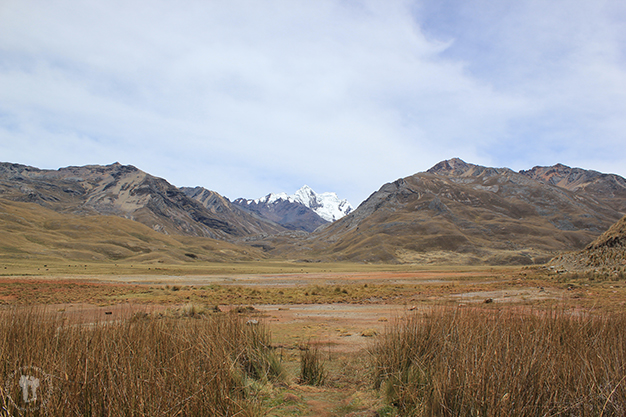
{"x": 312, "y": 366}
{"x": 147, "y": 366}
{"x": 475, "y": 362}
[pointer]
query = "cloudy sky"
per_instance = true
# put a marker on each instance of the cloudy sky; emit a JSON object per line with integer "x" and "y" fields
{"x": 247, "y": 97}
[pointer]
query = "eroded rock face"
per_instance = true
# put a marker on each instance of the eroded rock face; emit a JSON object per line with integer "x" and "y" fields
{"x": 610, "y": 189}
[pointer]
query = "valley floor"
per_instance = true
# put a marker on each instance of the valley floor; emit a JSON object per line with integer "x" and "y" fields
{"x": 339, "y": 311}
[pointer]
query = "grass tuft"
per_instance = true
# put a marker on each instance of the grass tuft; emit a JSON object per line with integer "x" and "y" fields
{"x": 312, "y": 367}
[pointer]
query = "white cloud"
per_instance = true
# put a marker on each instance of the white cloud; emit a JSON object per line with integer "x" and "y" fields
{"x": 248, "y": 97}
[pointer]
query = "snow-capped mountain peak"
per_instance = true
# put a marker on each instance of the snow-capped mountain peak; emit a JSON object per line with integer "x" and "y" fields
{"x": 306, "y": 196}
{"x": 271, "y": 198}
{"x": 327, "y": 205}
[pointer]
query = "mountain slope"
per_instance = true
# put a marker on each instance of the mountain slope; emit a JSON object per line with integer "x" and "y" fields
{"x": 606, "y": 253}
{"x": 610, "y": 189}
{"x": 458, "y": 212}
{"x": 220, "y": 206}
{"x": 118, "y": 190}
{"x": 30, "y": 232}
{"x": 289, "y": 214}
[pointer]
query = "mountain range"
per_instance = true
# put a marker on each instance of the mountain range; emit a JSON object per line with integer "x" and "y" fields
{"x": 464, "y": 213}
{"x": 305, "y": 210}
{"x": 455, "y": 212}
{"x": 128, "y": 192}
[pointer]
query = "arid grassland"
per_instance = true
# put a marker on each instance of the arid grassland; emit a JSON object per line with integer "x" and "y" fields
{"x": 299, "y": 339}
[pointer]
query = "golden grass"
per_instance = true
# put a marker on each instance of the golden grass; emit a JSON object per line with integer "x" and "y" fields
{"x": 20, "y": 291}
{"x": 319, "y": 288}
{"x": 453, "y": 362}
{"x": 32, "y": 235}
{"x": 15, "y": 266}
{"x": 212, "y": 365}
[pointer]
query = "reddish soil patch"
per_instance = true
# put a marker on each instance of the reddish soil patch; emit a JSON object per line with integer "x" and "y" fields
{"x": 334, "y": 327}
{"x": 290, "y": 280}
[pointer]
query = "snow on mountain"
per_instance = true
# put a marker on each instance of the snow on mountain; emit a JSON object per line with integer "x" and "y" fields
{"x": 327, "y": 205}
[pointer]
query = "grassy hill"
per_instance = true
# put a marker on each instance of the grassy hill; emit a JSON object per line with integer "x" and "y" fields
{"x": 30, "y": 232}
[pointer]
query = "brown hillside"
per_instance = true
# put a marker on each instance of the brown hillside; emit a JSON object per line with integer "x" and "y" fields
{"x": 128, "y": 192}
{"x": 607, "y": 252}
{"x": 609, "y": 189}
{"x": 464, "y": 213}
{"x": 30, "y": 232}
{"x": 220, "y": 206}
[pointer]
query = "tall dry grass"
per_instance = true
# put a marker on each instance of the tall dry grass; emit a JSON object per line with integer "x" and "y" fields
{"x": 312, "y": 367}
{"x": 142, "y": 367}
{"x": 472, "y": 362}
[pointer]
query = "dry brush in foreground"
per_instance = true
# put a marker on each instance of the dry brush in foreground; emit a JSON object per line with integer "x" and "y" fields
{"x": 474, "y": 362}
{"x": 211, "y": 365}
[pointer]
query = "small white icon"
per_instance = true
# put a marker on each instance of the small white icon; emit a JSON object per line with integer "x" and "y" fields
{"x": 29, "y": 385}
{"x": 35, "y": 386}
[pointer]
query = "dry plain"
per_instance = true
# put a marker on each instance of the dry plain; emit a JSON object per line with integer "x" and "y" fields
{"x": 341, "y": 308}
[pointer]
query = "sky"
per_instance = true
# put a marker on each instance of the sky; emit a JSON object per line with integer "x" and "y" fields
{"x": 248, "y": 97}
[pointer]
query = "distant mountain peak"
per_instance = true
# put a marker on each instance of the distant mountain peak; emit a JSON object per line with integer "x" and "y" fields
{"x": 456, "y": 167}
{"x": 326, "y": 205}
{"x": 449, "y": 165}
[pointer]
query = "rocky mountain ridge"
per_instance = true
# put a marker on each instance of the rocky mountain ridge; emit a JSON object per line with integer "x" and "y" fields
{"x": 455, "y": 212}
{"x": 124, "y": 191}
{"x": 326, "y": 205}
{"x": 460, "y": 212}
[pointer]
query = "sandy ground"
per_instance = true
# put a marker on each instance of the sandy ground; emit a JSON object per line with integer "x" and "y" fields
{"x": 336, "y": 327}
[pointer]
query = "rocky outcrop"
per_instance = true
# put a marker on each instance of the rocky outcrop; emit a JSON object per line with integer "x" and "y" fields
{"x": 606, "y": 254}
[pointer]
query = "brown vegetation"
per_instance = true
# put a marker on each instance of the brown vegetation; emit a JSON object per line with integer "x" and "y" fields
{"x": 468, "y": 214}
{"x": 312, "y": 368}
{"x": 31, "y": 233}
{"x": 165, "y": 366}
{"x": 488, "y": 362}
